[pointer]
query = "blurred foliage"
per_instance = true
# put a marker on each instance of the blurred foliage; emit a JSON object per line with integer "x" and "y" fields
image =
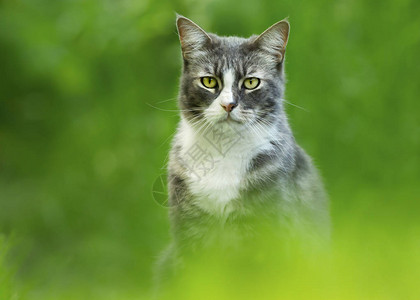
{"x": 7, "y": 284}
{"x": 87, "y": 93}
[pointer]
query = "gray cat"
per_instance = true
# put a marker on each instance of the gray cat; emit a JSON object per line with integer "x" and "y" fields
{"x": 234, "y": 163}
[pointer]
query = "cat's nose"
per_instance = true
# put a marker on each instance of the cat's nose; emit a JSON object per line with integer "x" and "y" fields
{"x": 229, "y": 107}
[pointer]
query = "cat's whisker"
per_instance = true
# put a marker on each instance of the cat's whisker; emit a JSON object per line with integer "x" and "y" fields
{"x": 164, "y": 142}
{"x": 199, "y": 125}
{"x": 262, "y": 130}
{"x": 174, "y": 110}
{"x": 166, "y": 100}
{"x": 285, "y": 141}
{"x": 202, "y": 126}
{"x": 297, "y": 106}
{"x": 195, "y": 118}
{"x": 278, "y": 138}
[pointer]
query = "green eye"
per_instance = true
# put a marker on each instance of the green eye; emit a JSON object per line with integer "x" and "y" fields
{"x": 251, "y": 83}
{"x": 209, "y": 82}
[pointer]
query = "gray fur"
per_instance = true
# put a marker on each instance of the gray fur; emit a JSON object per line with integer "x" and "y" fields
{"x": 280, "y": 185}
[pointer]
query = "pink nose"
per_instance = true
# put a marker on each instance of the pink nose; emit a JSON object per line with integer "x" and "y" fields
{"x": 229, "y": 107}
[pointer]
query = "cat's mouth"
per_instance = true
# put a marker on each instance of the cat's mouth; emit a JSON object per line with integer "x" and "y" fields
{"x": 229, "y": 118}
{"x": 219, "y": 117}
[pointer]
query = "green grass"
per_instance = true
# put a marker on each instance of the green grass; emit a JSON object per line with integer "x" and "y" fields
{"x": 8, "y": 289}
{"x": 81, "y": 145}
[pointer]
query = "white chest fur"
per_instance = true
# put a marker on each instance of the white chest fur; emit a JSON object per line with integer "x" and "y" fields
{"x": 217, "y": 162}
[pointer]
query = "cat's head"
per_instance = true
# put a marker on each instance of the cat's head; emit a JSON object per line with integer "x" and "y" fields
{"x": 231, "y": 79}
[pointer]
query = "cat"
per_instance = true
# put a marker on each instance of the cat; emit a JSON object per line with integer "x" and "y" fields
{"x": 234, "y": 163}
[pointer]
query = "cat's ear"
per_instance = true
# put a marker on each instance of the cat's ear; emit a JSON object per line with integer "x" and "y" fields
{"x": 191, "y": 36}
{"x": 274, "y": 39}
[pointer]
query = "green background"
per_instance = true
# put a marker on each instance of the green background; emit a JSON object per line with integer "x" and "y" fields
{"x": 87, "y": 111}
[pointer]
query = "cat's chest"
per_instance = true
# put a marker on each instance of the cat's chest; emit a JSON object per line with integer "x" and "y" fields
{"x": 216, "y": 166}
{"x": 215, "y": 188}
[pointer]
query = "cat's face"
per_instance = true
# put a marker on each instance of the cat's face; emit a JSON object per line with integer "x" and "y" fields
{"x": 231, "y": 79}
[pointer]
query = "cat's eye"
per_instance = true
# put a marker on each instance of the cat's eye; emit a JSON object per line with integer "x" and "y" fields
{"x": 209, "y": 82}
{"x": 251, "y": 83}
